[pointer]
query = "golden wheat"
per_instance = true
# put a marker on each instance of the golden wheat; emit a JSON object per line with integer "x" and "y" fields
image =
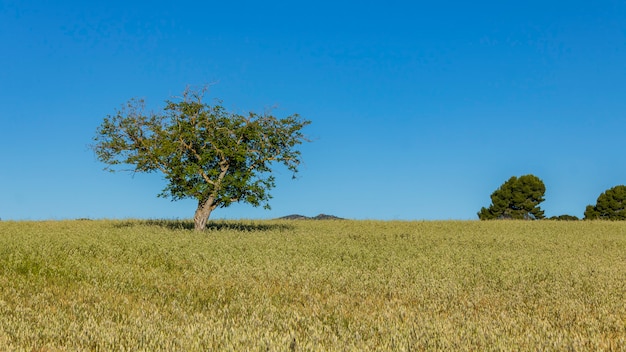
{"x": 312, "y": 286}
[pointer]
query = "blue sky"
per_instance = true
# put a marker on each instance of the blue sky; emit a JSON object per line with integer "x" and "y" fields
{"x": 419, "y": 110}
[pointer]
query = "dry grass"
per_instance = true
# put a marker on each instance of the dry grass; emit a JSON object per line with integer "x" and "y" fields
{"x": 312, "y": 286}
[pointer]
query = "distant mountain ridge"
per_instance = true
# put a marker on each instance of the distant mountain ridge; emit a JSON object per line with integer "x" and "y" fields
{"x": 317, "y": 217}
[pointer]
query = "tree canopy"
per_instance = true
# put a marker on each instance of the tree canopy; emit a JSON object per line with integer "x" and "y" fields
{"x": 203, "y": 151}
{"x": 517, "y": 198}
{"x": 611, "y": 205}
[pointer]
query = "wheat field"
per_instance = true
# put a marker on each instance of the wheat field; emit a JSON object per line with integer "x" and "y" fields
{"x": 130, "y": 285}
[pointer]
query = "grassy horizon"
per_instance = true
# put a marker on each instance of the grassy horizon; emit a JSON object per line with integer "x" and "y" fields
{"x": 151, "y": 285}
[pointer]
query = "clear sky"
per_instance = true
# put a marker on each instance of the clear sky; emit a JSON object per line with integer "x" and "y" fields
{"x": 419, "y": 109}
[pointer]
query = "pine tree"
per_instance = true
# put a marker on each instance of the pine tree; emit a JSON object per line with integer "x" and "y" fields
{"x": 517, "y": 198}
{"x": 611, "y": 205}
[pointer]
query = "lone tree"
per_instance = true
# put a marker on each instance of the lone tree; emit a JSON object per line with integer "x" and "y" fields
{"x": 203, "y": 151}
{"x": 611, "y": 205}
{"x": 517, "y": 198}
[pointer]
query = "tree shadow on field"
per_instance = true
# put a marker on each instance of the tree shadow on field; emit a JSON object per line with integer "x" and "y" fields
{"x": 238, "y": 226}
{"x": 245, "y": 226}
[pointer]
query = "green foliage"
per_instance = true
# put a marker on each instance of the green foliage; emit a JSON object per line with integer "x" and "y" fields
{"x": 565, "y": 217}
{"x": 611, "y": 205}
{"x": 203, "y": 151}
{"x": 517, "y": 198}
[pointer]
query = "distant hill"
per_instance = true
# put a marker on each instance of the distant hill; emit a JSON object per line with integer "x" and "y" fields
{"x": 294, "y": 217}
{"x": 317, "y": 217}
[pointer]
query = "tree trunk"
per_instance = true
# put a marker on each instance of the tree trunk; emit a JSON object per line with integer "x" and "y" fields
{"x": 203, "y": 212}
